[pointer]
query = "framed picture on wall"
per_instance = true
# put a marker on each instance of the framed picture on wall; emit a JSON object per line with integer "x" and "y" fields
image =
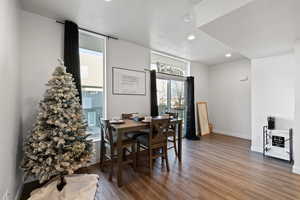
{"x": 128, "y": 82}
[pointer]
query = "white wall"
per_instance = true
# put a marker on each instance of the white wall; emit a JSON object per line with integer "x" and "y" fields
{"x": 41, "y": 46}
{"x": 10, "y": 117}
{"x": 229, "y": 98}
{"x": 126, "y": 55}
{"x": 273, "y": 94}
{"x": 296, "y": 167}
{"x": 200, "y": 73}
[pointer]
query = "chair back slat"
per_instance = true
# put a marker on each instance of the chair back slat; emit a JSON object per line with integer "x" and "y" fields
{"x": 106, "y": 132}
{"x": 173, "y": 114}
{"x": 159, "y": 130}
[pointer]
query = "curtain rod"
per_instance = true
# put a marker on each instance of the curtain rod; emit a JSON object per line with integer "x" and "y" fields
{"x": 83, "y": 29}
{"x": 167, "y": 74}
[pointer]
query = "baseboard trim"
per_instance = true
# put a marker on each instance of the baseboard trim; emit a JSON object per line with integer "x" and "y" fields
{"x": 19, "y": 192}
{"x": 256, "y": 149}
{"x": 243, "y": 136}
{"x": 296, "y": 169}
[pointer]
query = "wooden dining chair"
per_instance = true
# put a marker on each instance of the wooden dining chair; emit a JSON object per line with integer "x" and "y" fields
{"x": 109, "y": 141}
{"x": 133, "y": 134}
{"x": 172, "y": 132}
{"x": 155, "y": 142}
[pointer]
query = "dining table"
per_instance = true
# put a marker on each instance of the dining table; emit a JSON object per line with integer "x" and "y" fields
{"x": 130, "y": 125}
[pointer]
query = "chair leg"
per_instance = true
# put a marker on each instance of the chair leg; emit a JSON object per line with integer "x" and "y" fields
{"x": 150, "y": 161}
{"x": 165, "y": 149}
{"x": 138, "y": 152}
{"x": 175, "y": 145}
{"x": 102, "y": 153}
{"x": 112, "y": 163}
{"x": 162, "y": 158}
{"x": 124, "y": 154}
{"x": 134, "y": 156}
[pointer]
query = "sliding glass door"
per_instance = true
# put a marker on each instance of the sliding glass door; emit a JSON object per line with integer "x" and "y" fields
{"x": 170, "y": 96}
{"x": 171, "y": 73}
{"x": 163, "y": 99}
{"x": 177, "y": 98}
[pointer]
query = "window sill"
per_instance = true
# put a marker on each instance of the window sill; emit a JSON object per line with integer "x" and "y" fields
{"x": 94, "y": 140}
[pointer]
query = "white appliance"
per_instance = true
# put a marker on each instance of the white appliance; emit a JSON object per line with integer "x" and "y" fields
{"x": 278, "y": 144}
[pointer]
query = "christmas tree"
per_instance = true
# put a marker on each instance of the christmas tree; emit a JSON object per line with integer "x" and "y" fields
{"x": 58, "y": 144}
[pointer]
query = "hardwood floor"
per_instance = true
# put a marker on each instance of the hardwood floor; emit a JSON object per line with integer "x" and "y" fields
{"x": 217, "y": 167}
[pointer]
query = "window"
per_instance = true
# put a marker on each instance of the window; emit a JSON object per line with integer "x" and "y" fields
{"x": 91, "y": 118}
{"x": 92, "y": 63}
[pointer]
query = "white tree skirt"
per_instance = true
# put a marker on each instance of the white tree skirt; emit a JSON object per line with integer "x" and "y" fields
{"x": 78, "y": 187}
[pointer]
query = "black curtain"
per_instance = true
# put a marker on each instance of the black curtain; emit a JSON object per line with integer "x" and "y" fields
{"x": 190, "y": 129}
{"x": 153, "y": 94}
{"x": 71, "y": 53}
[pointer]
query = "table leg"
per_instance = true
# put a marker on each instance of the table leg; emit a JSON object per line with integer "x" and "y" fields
{"x": 102, "y": 151}
{"x": 179, "y": 141}
{"x": 120, "y": 158}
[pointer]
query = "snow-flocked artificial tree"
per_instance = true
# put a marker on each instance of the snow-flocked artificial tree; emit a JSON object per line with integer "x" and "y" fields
{"x": 58, "y": 143}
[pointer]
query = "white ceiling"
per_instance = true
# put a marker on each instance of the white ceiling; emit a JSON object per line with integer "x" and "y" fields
{"x": 208, "y": 10}
{"x": 259, "y": 29}
{"x": 157, "y": 24}
{"x": 252, "y": 28}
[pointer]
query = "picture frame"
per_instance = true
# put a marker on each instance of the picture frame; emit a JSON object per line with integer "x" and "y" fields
{"x": 128, "y": 82}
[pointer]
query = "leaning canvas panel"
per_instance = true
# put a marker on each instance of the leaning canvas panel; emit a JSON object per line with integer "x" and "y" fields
{"x": 203, "y": 118}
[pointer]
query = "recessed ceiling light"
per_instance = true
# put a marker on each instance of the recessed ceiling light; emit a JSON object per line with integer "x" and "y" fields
{"x": 187, "y": 18}
{"x": 107, "y": 0}
{"x": 191, "y": 37}
{"x": 228, "y": 55}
